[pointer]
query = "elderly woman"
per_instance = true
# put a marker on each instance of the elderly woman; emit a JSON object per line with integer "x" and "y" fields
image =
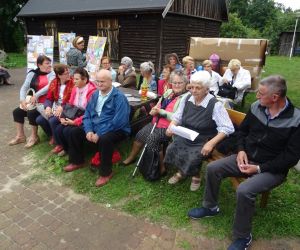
{"x": 239, "y": 78}
{"x": 201, "y": 112}
{"x": 58, "y": 95}
{"x": 126, "y": 73}
{"x": 75, "y": 57}
{"x": 106, "y": 64}
{"x": 38, "y": 80}
{"x": 80, "y": 96}
{"x": 215, "y": 78}
{"x": 148, "y": 76}
{"x": 164, "y": 83}
{"x": 189, "y": 66}
{"x": 163, "y": 111}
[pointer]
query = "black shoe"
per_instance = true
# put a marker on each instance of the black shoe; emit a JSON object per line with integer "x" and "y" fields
{"x": 241, "y": 243}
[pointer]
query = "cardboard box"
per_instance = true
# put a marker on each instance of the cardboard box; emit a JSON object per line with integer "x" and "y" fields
{"x": 251, "y": 52}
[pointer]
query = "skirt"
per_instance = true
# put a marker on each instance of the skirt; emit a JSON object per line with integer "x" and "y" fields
{"x": 185, "y": 155}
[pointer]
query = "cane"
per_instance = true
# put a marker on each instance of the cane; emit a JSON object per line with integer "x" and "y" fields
{"x": 138, "y": 163}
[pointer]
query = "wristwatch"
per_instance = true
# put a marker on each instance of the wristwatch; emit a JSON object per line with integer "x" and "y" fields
{"x": 258, "y": 169}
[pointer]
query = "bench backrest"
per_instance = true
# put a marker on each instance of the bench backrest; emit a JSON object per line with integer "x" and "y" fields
{"x": 235, "y": 116}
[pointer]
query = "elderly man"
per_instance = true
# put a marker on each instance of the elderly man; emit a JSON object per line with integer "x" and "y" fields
{"x": 268, "y": 147}
{"x": 126, "y": 73}
{"x": 105, "y": 122}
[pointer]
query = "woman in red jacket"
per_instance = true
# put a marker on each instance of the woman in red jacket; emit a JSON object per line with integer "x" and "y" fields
{"x": 58, "y": 95}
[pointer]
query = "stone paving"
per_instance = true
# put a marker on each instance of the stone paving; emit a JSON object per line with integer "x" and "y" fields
{"x": 47, "y": 215}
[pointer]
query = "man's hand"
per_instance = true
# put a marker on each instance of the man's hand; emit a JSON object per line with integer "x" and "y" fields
{"x": 249, "y": 169}
{"x": 95, "y": 138}
{"x": 242, "y": 159}
{"x": 89, "y": 136}
{"x": 207, "y": 149}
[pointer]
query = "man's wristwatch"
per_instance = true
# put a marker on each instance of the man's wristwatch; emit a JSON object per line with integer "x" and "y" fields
{"x": 258, "y": 169}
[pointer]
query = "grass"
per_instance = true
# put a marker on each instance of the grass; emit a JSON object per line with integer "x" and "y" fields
{"x": 15, "y": 60}
{"x": 163, "y": 203}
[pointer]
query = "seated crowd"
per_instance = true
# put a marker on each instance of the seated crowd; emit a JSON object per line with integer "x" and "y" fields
{"x": 77, "y": 111}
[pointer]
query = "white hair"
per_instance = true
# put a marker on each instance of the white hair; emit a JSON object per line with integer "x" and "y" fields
{"x": 127, "y": 61}
{"x": 147, "y": 67}
{"x": 202, "y": 78}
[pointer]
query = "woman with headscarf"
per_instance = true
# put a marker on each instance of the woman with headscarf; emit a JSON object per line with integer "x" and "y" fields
{"x": 75, "y": 57}
{"x": 38, "y": 80}
{"x": 148, "y": 74}
{"x": 201, "y": 112}
{"x": 126, "y": 73}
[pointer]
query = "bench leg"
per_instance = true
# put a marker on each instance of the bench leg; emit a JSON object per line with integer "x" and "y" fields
{"x": 264, "y": 199}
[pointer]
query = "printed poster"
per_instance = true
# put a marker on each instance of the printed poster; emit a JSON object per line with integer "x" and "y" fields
{"x": 65, "y": 43}
{"x": 38, "y": 45}
{"x": 94, "y": 54}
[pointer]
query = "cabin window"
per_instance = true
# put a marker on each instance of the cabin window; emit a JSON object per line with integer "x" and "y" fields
{"x": 51, "y": 29}
{"x": 109, "y": 28}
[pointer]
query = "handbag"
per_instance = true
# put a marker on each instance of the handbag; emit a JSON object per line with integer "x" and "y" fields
{"x": 227, "y": 91}
{"x": 149, "y": 165}
{"x": 71, "y": 112}
{"x": 30, "y": 106}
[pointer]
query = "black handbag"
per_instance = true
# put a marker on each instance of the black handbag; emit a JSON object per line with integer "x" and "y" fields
{"x": 72, "y": 112}
{"x": 227, "y": 91}
{"x": 149, "y": 165}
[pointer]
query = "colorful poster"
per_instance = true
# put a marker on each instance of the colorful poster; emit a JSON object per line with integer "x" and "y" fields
{"x": 94, "y": 54}
{"x": 38, "y": 45}
{"x": 65, "y": 43}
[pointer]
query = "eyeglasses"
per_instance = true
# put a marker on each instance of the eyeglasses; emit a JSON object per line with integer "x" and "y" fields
{"x": 197, "y": 88}
{"x": 177, "y": 83}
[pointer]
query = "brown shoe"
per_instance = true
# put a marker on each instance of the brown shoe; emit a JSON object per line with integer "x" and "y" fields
{"x": 32, "y": 142}
{"x": 17, "y": 140}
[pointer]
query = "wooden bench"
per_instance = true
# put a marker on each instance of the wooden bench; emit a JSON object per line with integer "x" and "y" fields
{"x": 237, "y": 118}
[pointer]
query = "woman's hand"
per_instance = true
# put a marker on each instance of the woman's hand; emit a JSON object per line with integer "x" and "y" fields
{"x": 23, "y": 105}
{"x": 70, "y": 122}
{"x": 154, "y": 111}
{"x": 207, "y": 148}
{"x": 33, "y": 99}
{"x": 121, "y": 70}
{"x": 169, "y": 131}
{"x": 48, "y": 111}
{"x": 58, "y": 111}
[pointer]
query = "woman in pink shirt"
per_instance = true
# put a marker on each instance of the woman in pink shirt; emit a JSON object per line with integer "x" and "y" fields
{"x": 162, "y": 114}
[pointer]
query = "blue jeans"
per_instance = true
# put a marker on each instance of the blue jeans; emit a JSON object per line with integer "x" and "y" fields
{"x": 49, "y": 125}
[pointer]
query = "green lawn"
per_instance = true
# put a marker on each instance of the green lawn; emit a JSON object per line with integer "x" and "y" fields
{"x": 15, "y": 60}
{"x": 168, "y": 204}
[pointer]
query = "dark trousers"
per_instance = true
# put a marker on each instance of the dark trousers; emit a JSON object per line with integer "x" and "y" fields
{"x": 61, "y": 135}
{"x": 245, "y": 193}
{"x": 49, "y": 125}
{"x": 105, "y": 147}
{"x": 20, "y": 114}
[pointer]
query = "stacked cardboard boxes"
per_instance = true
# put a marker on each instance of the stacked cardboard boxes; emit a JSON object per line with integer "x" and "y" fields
{"x": 251, "y": 53}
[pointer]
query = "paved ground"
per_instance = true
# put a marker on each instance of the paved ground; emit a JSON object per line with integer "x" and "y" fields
{"x": 46, "y": 215}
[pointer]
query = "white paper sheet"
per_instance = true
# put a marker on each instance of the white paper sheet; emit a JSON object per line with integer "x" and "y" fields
{"x": 184, "y": 132}
{"x": 116, "y": 84}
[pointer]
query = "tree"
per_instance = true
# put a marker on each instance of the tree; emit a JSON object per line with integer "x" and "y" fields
{"x": 11, "y": 30}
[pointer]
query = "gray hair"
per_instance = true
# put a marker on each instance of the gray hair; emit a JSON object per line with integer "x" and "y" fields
{"x": 127, "y": 61}
{"x": 147, "y": 67}
{"x": 234, "y": 64}
{"x": 180, "y": 73}
{"x": 276, "y": 84}
{"x": 202, "y": 78}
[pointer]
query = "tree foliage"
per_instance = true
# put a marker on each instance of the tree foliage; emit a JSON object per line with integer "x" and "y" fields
{"x": 11, "y": 30}
{"x": 258, "y": 18}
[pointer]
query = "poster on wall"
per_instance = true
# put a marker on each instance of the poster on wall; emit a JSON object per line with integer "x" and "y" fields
{"x": 38, "y": 45}
{"x": 94, "y": 52}
{"x": 65, "y": 43}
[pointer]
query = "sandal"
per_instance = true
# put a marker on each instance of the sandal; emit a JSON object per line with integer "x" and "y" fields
{"x": 17, "y": 140}
{"x": 195, "y": 184}
{"x": 175, "y": 178}
{"x": 32, "y": 142}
